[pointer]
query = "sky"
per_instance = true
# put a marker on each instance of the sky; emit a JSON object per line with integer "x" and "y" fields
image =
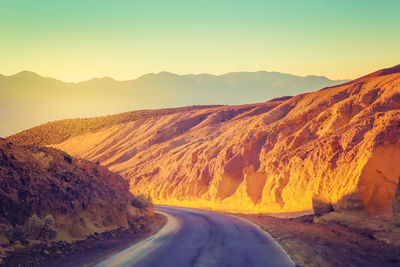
{"x": 75, "y": 40}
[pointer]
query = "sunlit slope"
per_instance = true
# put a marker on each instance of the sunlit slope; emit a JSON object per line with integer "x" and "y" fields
{"x": 58, "y": 131}
{"x": 336, "y": 146}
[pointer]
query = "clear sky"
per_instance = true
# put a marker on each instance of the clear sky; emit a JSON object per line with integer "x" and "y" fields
{"x": 79, "y": 39}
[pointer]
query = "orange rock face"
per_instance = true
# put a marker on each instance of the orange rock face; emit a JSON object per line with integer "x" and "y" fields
{"x": 338, "y": 147}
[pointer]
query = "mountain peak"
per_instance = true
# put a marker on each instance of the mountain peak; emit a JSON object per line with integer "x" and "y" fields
{"x": 381, "y": 72}
{"x": 159, "y": 75}
{"x": 26, "y": 74}
{"x": 99, "y": 80}
{"x": 166, "y": 73}
{"x": 316, "y": 77}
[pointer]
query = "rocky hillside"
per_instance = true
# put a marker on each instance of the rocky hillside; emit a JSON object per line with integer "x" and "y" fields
{"x": 334, "y": 149}
{"x": 47, "y": 194}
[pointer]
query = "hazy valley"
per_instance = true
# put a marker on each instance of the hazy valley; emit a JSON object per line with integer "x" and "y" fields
{"x": 26, "y": 97}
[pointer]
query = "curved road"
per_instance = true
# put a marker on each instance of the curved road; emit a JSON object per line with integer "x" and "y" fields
{"x": 193, "y": 237}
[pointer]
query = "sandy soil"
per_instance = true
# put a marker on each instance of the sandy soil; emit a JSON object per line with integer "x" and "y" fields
{"x": 331, "y": 241}
{"x": 85, "y": 252}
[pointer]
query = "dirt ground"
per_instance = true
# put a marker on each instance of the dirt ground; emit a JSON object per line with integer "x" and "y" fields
{"x": 334, "y": 239}
{"x": 85, "y": 252}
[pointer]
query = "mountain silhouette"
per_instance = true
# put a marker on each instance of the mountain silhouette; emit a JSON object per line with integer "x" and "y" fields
{"x": 28, "y": 99}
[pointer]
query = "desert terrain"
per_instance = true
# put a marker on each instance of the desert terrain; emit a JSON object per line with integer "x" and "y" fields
{"x": 333, "y": 152}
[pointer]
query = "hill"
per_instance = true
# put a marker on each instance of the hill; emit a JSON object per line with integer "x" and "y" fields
{"x": 48, "y": 195}
{"x": 59, "y": 131}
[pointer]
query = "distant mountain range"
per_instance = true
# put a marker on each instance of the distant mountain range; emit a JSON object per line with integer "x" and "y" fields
{"x": 28, "y": 99}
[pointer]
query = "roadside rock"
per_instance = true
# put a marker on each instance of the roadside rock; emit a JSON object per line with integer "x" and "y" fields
{"x": 396, "y": 206}
{"x": 320, "y": 207}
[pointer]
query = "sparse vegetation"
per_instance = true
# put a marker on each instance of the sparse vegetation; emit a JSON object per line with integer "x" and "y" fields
{"x": 33, "y": 229}
{"x": 58, "y": 131}
{"x": 141, "y": 201}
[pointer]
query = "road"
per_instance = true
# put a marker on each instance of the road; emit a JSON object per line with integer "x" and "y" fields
{"x": 193, "y": 237}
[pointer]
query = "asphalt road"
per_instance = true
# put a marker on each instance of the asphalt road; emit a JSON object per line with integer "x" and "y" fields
{"x": 194, "y": 237}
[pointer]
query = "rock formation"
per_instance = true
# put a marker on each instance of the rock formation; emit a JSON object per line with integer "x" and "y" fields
{"x": 45, "y": 193}
{"x": 338, "y": 148}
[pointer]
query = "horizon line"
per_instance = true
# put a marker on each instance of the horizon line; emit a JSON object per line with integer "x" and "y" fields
{"x": 173, "y": 73}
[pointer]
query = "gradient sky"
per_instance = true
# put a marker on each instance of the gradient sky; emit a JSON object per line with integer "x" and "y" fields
{"x": 79, "y": 39}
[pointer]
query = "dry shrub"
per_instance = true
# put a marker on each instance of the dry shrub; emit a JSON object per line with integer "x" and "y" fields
{"x": 141, "y": 201}
{"x": 33, "y": 229}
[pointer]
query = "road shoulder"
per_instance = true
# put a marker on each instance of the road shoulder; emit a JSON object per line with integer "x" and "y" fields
{"x": 86, "y": 252}
{"x": 326, "y": 244}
